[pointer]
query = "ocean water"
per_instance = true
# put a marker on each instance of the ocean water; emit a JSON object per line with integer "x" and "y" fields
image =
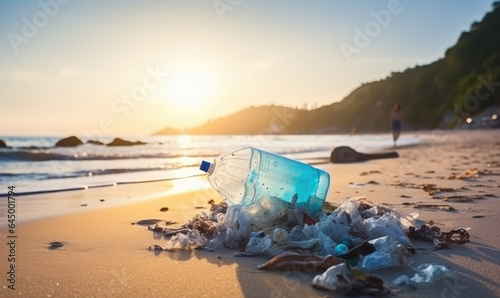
{"x": 35, "y": 165}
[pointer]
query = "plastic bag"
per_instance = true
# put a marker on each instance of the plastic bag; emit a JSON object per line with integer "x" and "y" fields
{"x": 336, "y": 278}
{"x": 235, "y": 230}
{"x": 426, "y": 273}
{"x": 259, "y": 245}
{"x": 193, "y": 239}
{"x": 376, "y": 261}
{"x": 390, "y": 253}
{"x": 386, "y": 225}
{"x": 264, "y": 212}
{"x": 347, "y": 213}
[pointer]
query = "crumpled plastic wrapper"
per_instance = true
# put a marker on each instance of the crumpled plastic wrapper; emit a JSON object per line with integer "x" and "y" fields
{"x": 341, "y": 278}
{"x": 426, "y": 273}
{"x": 390, "y": 253}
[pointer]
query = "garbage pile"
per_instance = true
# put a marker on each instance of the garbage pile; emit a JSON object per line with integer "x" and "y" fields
{"x": 356, "y": 238}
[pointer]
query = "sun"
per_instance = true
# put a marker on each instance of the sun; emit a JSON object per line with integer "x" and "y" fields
{"x": 189, "y": 87}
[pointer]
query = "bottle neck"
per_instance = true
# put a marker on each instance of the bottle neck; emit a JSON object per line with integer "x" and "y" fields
{"x": 211, "y": 168}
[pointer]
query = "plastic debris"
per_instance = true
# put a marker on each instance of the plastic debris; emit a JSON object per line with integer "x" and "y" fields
{"x": 193, "y": 239}
{"x": 258, "y": 245}
{"x": 376, "y": 261}
{"x": 358, "y": 231}
{"x": 348, "y": 213}
{"x": 336, "y": 278}
{"x": 217, "y": 208}
{"x": 399, "y": 253}
{"x": 425, "y": 232}
{"x": 440, "y": 239}
{"x": 340, "y": 250}
{"x": 341, "y": 278}
{"x": 233, "y": 230}
{"x": 390, "y": 253}
{"x": 280, "y": 236}
{"x": 328, "y": 245}
{"x": 334, "y": 234}
{"x": 266, "y": 211}
{"x": 298, "y": 240}
{"x": 297, "y": 234}
{"x": 359, "y": 251}
{"x": 386, "y": 225}
{"x": 426, "y": 273}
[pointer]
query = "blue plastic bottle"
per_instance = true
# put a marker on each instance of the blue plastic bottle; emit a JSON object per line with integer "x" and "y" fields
{"x": 247, "y": 175}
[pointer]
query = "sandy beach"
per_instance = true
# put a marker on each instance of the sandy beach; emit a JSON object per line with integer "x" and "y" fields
{"x": 104, "y": 254}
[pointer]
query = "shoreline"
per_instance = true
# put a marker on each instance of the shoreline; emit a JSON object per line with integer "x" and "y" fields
{"x": 114, "y": 184}
{"x": 82, "y": 167}
{"x": 104, "y": 255}
{"x": 69, "y": 201}
{"x": 34, "y": 207}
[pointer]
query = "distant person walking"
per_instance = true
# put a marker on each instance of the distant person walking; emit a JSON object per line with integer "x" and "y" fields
{"x": 396, "y": 122}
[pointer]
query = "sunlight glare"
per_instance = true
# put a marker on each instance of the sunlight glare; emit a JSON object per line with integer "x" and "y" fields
{"x": 189, "y": 87}
{"x": 184, "y": 139}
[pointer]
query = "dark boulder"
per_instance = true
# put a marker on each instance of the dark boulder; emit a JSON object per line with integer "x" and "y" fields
{"x": 122, "y": 142}
{"x": 69, "y": 142}
{"x": 93, "y": 142}
{"x": 344, "y": 154}
{"x": 3, "y": 144}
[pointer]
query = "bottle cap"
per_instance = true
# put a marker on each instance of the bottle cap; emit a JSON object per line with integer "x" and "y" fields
{"x": 340, "y": 250}
{"x": 205, "y": 165}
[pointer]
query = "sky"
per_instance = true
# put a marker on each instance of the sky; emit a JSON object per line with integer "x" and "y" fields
{"x": 113, "y": 68}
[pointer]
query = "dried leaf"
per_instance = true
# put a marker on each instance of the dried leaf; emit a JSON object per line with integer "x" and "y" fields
{"x": 301, "y": 262}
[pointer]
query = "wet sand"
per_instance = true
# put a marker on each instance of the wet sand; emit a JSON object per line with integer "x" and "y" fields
{"x": 104, "y": 255}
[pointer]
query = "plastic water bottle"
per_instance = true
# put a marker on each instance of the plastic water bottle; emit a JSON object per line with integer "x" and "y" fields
{"x": 248, "y": 175}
